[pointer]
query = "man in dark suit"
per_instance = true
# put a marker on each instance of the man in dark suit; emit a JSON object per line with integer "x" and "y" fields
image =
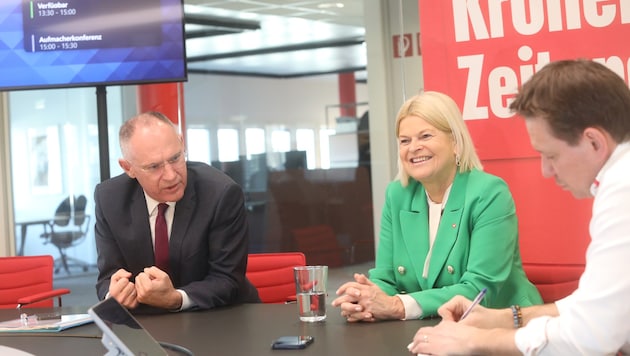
{"x": 205, "y": 221}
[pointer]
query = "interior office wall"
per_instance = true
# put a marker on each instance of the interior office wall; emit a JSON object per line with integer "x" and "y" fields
{"x": 301, "y": 102}
{"x": 211, "y": 102}
{"x": 68, "y": 120}
{"x": 7, "y": 240}
{"x": 122, "y": 105}
{"x": 391, "y": 79}
{"x": 218, "y": 100}
{"x": 237, "y": 102}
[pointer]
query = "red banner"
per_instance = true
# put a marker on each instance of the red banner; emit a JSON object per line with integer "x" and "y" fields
{"x": 479, "y": 52}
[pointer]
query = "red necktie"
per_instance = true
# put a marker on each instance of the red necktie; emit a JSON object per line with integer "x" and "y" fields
{"x": 161, "y": 239}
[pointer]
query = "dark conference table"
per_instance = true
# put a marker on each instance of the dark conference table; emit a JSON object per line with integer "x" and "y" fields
{"x": 239, "y": 330}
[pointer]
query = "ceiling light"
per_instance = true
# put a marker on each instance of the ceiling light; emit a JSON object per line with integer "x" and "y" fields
{"x": 330, "y": 5}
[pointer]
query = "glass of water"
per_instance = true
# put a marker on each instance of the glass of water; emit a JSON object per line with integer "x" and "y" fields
{"x": 310, "y": 287}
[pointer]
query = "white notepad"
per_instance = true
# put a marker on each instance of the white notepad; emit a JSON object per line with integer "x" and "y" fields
{"x": 33, "y": 324}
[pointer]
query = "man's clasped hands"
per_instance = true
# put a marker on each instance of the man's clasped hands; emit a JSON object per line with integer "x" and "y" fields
{"x": 152, "y": 287}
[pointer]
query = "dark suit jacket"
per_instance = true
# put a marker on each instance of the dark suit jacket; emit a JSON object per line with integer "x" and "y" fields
{"x": 209, "y": 239}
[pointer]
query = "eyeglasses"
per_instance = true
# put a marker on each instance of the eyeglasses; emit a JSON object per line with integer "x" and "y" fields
{"x": 154, "y": 168}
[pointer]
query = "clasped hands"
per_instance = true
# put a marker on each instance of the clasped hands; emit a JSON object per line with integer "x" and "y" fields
{"x": 152, "y": 287}
{"x": 362, "y": 300}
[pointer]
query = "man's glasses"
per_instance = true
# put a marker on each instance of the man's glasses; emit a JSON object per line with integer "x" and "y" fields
{"x": 155, "y": 168}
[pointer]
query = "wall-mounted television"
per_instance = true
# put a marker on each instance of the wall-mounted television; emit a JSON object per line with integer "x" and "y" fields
{"x": 78, "y": 43}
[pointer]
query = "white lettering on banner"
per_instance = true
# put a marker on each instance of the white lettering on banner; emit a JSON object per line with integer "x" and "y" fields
{"x": 594, "y": 18}
{"x": 502, "y": 83}
{"x": 474, "y": 64}
{"x": 615, "y": 64}
{"x": 528, "y": 16}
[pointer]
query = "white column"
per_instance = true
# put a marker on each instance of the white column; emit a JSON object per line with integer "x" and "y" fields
{"x": 390, "y": 81}
{"x": 7, "y": 231}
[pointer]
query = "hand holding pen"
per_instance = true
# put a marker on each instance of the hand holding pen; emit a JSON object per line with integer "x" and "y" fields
{"x": 422, "y": 336}
{"x": 477, "y": 300}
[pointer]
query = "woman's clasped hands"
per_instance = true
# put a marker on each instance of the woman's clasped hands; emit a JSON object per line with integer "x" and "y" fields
{"x": 362, "y": 300}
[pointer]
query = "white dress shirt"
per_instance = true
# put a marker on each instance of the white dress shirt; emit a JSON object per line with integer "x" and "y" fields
{"x": 595, "y": 319}
{"x": 152, "y": 207}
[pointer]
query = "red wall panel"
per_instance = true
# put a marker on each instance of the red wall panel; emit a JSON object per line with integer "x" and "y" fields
{"x": 553, "y": 226}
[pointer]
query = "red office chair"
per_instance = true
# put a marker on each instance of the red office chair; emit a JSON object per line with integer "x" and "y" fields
{"x": 28, "y": 281}
{"x": 554, "y": 281}
{"x": 272, "y": 275}
{"x": 319, "y": 244}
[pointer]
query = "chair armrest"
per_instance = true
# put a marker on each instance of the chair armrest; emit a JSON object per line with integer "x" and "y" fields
{"x": 42, "y": 296}
{"x": 49, "y": 229}
{"x": 291, "y": 299}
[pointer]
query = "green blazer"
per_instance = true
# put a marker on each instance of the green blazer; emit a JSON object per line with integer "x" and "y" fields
{"x": 476, "y": 245}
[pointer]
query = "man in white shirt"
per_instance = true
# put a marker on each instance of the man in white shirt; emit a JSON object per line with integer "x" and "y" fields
{"x": 577, "y": 114}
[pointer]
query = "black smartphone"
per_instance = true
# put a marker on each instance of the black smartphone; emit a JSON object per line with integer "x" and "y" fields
{"x": 292, "y": 342}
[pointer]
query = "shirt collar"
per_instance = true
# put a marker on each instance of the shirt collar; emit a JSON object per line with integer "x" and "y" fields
{"x": 446, "y": 193}
{"x": 619, "y": 152}
{"x": 152, "y": 204}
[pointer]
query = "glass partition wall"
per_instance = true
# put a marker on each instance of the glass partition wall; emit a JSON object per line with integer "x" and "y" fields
{"x": 54, "y": 158}
{"x": 299, "y": 175}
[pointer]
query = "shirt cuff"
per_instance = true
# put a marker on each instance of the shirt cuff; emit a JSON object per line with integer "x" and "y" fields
{"x": 187, "y": 303}
{"x": 532, "y": 338}
{"x": 413, "y": 310}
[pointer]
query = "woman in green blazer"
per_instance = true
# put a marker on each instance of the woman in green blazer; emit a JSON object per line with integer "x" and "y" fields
{"x": 447, "y": 227}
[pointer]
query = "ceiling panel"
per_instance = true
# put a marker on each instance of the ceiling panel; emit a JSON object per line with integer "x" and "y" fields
{"x": 275, "y": 38}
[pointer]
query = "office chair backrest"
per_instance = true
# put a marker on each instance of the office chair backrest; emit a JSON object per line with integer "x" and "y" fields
{"x": 272, "y": 275}
{"x": 79, "y": 210}
{"x": 71, "y": 208}
{"x": 68, "y": 228}
{"x": 22, "y": 276}
{"x": 319, "y": 244}
{"x": 553, "y": 281}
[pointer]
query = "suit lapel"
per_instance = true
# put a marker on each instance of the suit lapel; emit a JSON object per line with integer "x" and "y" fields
{"x": 139, "y": 240}
{"x": 448, "y": 228}
{"x": 181, "y": 221}
{"x": 415, "y": 225}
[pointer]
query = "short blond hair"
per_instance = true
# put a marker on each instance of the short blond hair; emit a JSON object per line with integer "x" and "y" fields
{"x": 440, "y": 111}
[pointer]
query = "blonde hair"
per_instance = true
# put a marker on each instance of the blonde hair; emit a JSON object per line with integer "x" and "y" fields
{"x": 441, "y": 112}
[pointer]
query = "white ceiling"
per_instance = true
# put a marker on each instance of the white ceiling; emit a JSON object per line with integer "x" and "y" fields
{"x": 293, "y": 39}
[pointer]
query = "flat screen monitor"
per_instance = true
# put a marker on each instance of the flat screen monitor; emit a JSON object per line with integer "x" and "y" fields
{"x": 295, "y": 160}
{"x": 78, "y": 43}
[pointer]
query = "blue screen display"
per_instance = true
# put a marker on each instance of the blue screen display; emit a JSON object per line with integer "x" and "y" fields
{"x": 73, "y": 43}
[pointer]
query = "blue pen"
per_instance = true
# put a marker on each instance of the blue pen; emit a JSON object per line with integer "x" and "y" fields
{"x": 477, "y": 300}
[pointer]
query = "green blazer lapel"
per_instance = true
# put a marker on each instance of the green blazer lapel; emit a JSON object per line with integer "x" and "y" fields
{"x": 415, "y": 231}
{"x": 448, "y": 230}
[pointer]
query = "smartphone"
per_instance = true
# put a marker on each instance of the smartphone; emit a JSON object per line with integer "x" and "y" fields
{"x": 292, "y": 342}
{"x": 122, "y": 334}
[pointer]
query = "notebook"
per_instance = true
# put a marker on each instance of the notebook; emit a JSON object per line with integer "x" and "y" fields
{"x": 44, "y": 323}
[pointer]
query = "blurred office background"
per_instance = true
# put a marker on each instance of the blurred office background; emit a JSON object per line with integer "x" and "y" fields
{"x": 268, "y": 106}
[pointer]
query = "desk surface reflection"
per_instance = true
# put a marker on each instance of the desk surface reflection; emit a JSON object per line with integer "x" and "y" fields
{"x": 245, "y": 329}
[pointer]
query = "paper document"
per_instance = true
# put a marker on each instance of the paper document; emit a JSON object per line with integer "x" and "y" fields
{"x": 32, "y": 323}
